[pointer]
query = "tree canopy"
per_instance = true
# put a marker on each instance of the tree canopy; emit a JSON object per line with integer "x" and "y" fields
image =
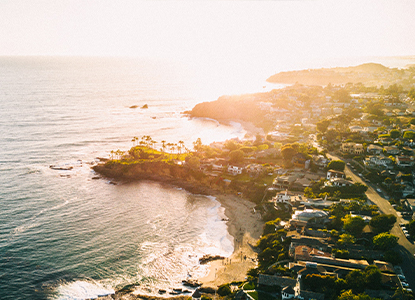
{"x": 395, "y": 133}
{"x": 382, "y": 223}
{"x": 385, "y": 241}
{"x": 353, "y": 225}
{"x": 337, "y": 165}
{"x": 236, "y": 156}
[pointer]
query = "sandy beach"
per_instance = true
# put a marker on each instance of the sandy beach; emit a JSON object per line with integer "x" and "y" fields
{"x": 246, "y": 228}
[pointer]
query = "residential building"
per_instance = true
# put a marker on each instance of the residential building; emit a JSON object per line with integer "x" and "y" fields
{"x": 320, "y": 161}
{"x": 392, "y": 150}
{"x": 374, "y": 149}
{"x": 306, "y": 253}
{"x": 405, "y": 161}
{"x": 338, "y": 182}
{"x": 235, "y": 170}
{"x": 331, "y": 174}
{"x": 352, "y": 148}
{"x": 308, "y": 214}
{"x": 410, "y": 203}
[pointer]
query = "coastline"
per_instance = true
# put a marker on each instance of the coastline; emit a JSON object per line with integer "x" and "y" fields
{"x": 243, "y": 223}
{"x": 245, "y": 226}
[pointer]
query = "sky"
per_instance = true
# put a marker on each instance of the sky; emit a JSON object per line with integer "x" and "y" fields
{"x": 209, "y": 32}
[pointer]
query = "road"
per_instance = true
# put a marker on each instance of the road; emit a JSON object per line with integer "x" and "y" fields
{"x": 405, "y": 247}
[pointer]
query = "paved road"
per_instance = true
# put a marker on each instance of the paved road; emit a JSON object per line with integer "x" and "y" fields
{"x": 406, "y": 248}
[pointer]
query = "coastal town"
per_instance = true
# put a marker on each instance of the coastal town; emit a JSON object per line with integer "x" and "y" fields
{"x": 330, "y": 172}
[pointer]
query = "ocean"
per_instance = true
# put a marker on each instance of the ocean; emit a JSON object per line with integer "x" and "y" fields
{"x": 66, "y": 235}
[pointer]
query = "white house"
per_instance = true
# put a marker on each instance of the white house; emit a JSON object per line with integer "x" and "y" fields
{"x": 335, "y": 174}
{"x": 235, "y": 170}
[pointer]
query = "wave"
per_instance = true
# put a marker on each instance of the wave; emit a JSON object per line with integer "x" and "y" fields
{"x": 209, "y": 120}
{"x": 82, "y": 289}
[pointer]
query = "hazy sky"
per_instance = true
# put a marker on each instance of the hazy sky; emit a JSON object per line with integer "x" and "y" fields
{"x": 218, "y": 32}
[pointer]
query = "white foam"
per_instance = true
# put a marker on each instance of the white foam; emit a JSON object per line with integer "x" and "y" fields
{"x": 216, "y": 239}
{"x": 80, "y": 290}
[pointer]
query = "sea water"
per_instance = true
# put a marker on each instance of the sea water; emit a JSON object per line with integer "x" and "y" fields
{"x": 66, "y": 235}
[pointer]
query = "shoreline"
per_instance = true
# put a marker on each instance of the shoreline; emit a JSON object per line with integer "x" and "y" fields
{"x": 245, "y": 229}
{"x": 245, "y": 226}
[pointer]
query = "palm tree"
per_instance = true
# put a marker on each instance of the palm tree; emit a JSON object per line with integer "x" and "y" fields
{"x": 163, "y": 145}
{"x": 148, "y": 140}
{"x": 153, "y": 142}
{"x": 169, "y": 145}
{"x": 134, "y": 140}
{"x": 172, "y": 147}
{"x": 181, "y": 145}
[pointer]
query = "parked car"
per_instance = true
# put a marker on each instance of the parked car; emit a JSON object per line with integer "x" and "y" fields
{"x": 401, "y": 277}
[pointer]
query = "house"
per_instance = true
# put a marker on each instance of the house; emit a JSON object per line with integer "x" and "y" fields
{"x": 301, "y": 161}
{"x": 235, "y": 170}
{"x": 320, "y": 161}
{"x": 306, "y": 253}
{"x": 314, "y": 242}
{"x": 410, "y": 203}
{"x": 405, "y": 161}
{"x": 273, "y": 280}
{"x": 370, "y": 129}
{"x": 392, "y": 150}
{"x": 283, "y": 197}
{"x": 283, "y": 182}
{"x": 255, "y": 169}
{"x": 318, "y": 216}
{"x": 388, "y": 173}
{"x": 331, "y": 174}
{"x": 317, "y": 203}
{"x": 409, "y": 189}
{"x": 352, "y": 148}
{"x": 356, "y": 128}
{"x": 381, "y": 162}
{"x": 287, "y": 293}
{"x": 348, "y": 263}
{"x": 338, "y": 182}
{"x": 374, "y": 149}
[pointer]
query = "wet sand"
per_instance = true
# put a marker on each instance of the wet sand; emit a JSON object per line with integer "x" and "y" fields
{"x": 245, "y": 226}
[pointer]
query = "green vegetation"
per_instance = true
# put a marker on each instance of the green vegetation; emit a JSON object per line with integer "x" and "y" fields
{"x": 382, "y": 223}
{"x": 356, "y": 281}
{"x": 272, "y": 249}
{"x": 337, "y": 165}
{"x": 353, "y": 225}
{"x": 249, "y": 286}
{"x": 385, "y": 241}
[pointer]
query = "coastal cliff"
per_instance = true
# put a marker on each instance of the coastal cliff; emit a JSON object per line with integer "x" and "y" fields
{"x": 243, "y": 107}
{"x": 370, "y": 74}
{"x": 191, "y": 180}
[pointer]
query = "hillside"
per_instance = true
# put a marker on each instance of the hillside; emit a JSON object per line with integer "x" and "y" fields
{"x": 370, "y": 74}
